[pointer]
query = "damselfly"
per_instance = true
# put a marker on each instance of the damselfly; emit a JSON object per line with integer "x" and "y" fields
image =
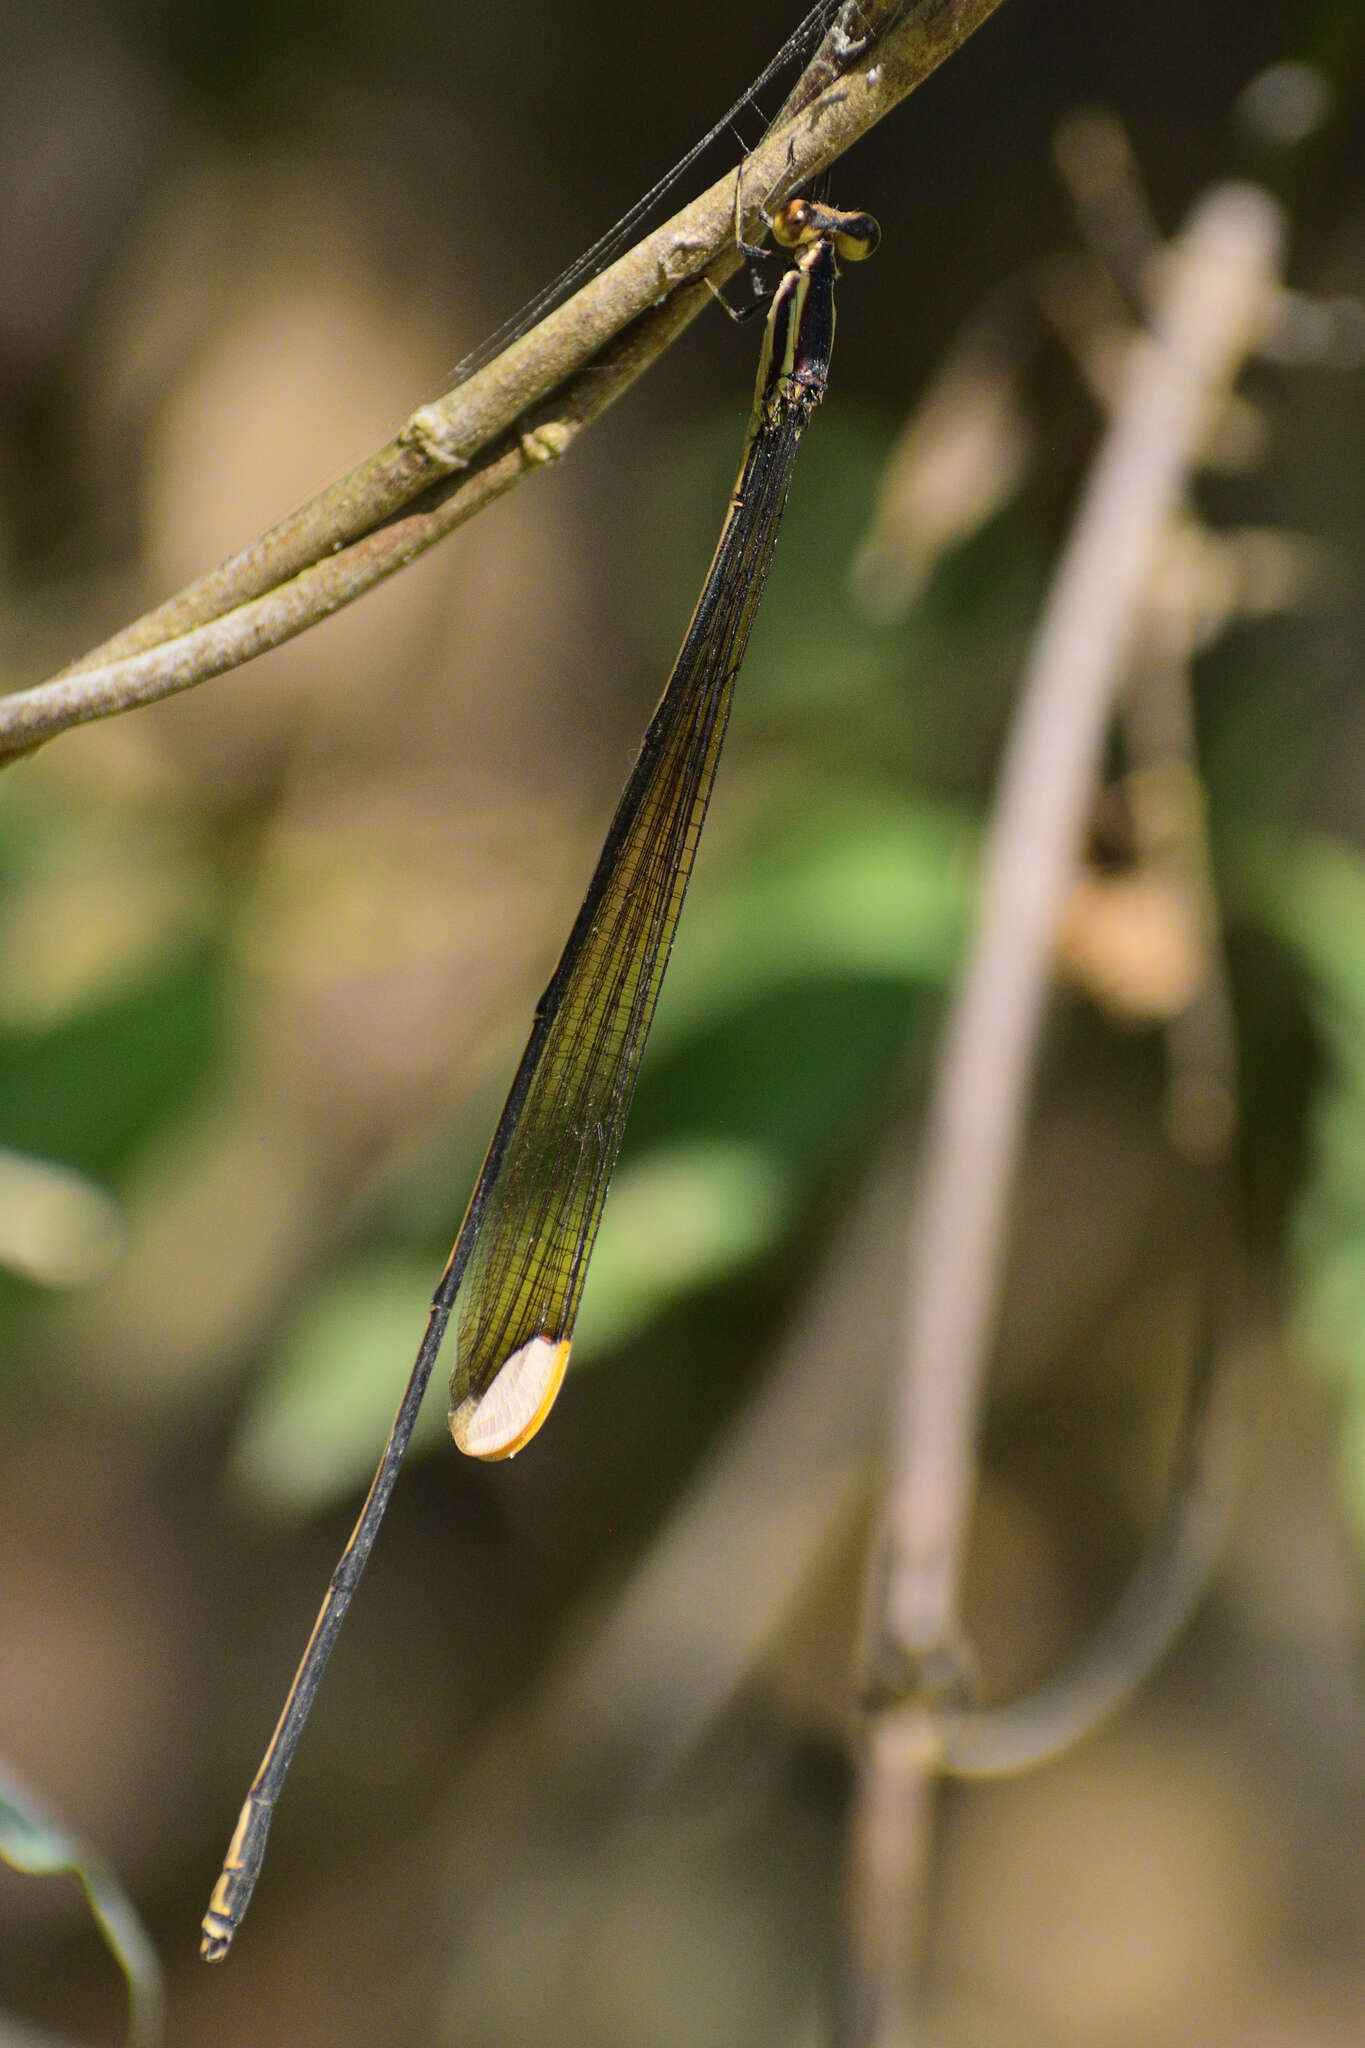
{"x": 515, "y": 1277}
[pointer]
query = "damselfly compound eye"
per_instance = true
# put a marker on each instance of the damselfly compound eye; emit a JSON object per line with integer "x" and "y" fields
{"x": 856, "y": 235}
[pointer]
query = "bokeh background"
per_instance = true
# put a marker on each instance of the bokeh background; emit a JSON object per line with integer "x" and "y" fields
{"x": 267, "y": 955}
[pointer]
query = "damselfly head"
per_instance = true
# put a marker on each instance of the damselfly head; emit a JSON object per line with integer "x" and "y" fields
{"x": 802, "y": 221}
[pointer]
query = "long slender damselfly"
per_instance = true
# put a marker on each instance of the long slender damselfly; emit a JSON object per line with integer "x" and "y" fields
{"x": 515, "y": 1277}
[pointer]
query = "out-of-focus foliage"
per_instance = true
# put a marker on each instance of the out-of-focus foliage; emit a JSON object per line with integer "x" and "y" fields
{"x": 1315, "y": 898}
{"x": 32, "y": 1840}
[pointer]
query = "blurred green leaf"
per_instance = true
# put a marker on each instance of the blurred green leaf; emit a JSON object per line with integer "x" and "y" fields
{"x": 34, "y": 1841}
{"x": 1312, "y": 895}
{"x": 679, "y": 1218}
{"x": 57, "y": 1228}
{"x": 89, "y": 1090}
{"x": 314, "y": 1427}
{"x": 798, "y": 1071}
{"x": 853, "y": 888}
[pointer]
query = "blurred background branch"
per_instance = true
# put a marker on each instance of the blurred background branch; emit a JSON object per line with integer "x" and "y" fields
{"x": 1215, "y": 305}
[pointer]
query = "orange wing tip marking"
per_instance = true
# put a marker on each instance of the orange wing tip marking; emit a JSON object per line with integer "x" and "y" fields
{"x": 502, "y": 1421}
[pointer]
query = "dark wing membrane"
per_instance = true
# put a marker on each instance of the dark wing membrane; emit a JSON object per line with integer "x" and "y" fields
{"x": 539, "y": 1201}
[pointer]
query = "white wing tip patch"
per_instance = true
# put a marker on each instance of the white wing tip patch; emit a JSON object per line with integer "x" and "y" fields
{"x": 498, "y": 1423}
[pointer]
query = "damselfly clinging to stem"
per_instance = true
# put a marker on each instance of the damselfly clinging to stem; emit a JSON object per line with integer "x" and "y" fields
{"x": 515, "y": 1277}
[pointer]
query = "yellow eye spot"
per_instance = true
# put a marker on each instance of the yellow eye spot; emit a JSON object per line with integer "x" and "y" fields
{"x": 857, "y": 236}
{"x": 498, "y": 1423}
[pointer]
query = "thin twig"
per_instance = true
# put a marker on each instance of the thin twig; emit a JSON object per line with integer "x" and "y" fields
{"x": 1213, "y": 305}
{"x": 1162, "y": 1595}
{"x": 83, "y": 693}
{"x": 344, "y": 541}
{"x": 1183, "y": 1551}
